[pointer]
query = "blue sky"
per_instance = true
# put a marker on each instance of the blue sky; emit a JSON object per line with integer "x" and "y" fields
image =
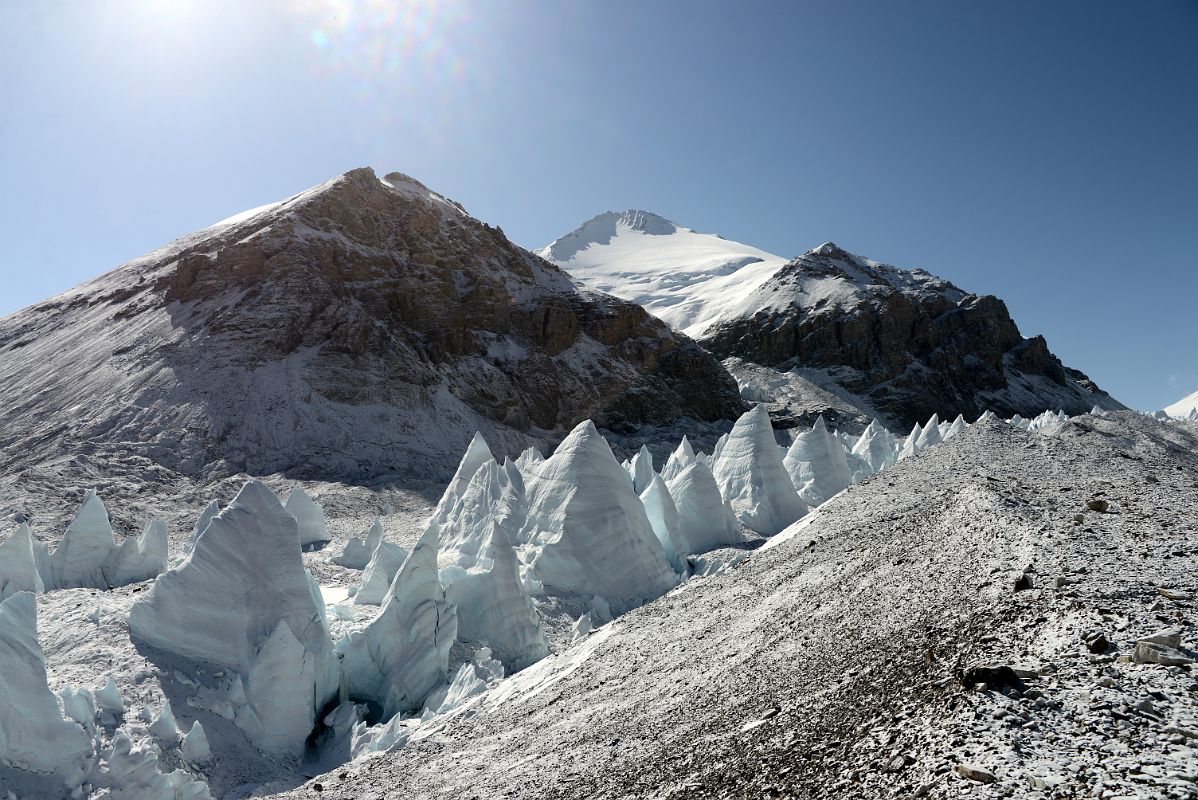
{"x": 1043, "y": 152}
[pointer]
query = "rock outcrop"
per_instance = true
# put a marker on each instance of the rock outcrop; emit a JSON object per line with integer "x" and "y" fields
{"x": 908, "y": 342}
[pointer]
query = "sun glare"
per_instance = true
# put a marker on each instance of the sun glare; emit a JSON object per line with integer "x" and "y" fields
{"x": 410, "y": 57}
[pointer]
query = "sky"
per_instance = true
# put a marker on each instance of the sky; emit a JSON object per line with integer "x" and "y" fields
{"x": 1046, "y": 153}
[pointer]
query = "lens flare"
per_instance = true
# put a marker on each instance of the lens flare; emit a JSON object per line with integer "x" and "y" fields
{"x": 409, "y": 62}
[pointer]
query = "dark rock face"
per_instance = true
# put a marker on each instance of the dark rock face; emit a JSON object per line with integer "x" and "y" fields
{"x": 365, "y": 327}
{"x": 913, "y": 344}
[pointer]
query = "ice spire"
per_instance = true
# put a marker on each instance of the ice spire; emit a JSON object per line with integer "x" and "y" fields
{"x": 528, "y": 459}
{"x": 386, "y": 560}
{"x": 705, "y": 520}
{"x": 309, "y": 517}
{"x": 18, "y": 564}
{"x": 679, "y": 459}
{"x": 35, "y": 737}
{"x": 877, "y": 448}
{"x": 244, "y": 602}
{"x": 663, "y": 517}
{"x": 931, "y": 433}
{"x": 139, "y": 558}
{"x": 477, "y": 454}
{"x": 357, "y": 552}
{"x": 642, "y": 470}
{"x": 751, "y": 476}
{"x": 589, "y": 527}
{"x": 403, "y": 654}
{"x": 79, "y": 559}
{"x": 910, "y": 444}
{"x": 468, "y": 523}
{"x": 210, "y": 511}
{"x": 195, "y": 748}
{"x": 817, "y": 464}
{"x": 492, "y": 606}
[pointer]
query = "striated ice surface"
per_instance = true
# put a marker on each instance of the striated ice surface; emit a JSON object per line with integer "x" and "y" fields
{"x": 34, "y": 736}
{"x": 403, "y": 654}
{"x": 749, "y": 471}
{"x": 589, "y": 528}
{"x": 244, "y": 601}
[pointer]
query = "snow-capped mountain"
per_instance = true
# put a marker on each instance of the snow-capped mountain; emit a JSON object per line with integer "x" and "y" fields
{"x": 366, "y": 326}
{"x": 901, "y": 343}
{"x": 686, "y": 278}
{"x": 910, "y": 343}
{"x": 1183, "y": 407}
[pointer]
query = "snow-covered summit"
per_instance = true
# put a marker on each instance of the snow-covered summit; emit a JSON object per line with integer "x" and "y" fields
{"x": 904, "y": 342}
{"x": 686, "y": 278}
{"x": 829, "y": 279}
{"x": 601, "y": 229}
{"x": 1183, "y": 407}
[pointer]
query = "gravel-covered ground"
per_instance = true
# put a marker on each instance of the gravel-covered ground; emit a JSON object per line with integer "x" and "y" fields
{"x": 843, "y": 661}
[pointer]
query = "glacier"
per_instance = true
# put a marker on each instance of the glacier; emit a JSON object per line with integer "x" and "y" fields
{"x": 751, "y": 476}
{"x": 244, "y": 601}
{"x": 589, "y": 528}
{"x": 403, "y": 653}
{"x": 34, "y": 736}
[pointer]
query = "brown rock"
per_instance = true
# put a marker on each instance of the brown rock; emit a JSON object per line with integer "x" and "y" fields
{"x": 974, "y": 773}
{"x": 370, "y": 323}
{"x": 926, "y": 348}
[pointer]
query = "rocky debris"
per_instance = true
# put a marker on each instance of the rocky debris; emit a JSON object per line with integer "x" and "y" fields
{"x": 991, "y": 677}
{"x": 1099, "y": 505}
{"x": 1162, "y": 647}
{"x": 974, "y": 773}
{"x": 908, "y": 343}
{"x": 1096, "y": 642}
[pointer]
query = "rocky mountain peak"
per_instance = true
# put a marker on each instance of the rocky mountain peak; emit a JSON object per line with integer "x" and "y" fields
{"x": 832, "y": 250}
{"x": 601, "y": 229}
{"x": 909, "y": 343}
{"x": 363, "y": 326}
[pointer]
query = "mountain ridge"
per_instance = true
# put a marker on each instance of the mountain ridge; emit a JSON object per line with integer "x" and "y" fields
{"x": 909, "y": 343}
{"x": 359, "y": 328}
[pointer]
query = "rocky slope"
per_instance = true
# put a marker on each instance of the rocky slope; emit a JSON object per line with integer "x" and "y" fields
{"x": 364, "y": 328}
{"x": 902, "y": 344}
{"x": 963, "y": 624}
{"x": 910, "y": 343}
